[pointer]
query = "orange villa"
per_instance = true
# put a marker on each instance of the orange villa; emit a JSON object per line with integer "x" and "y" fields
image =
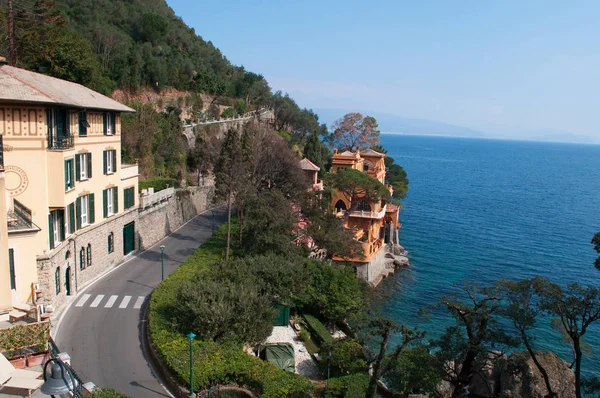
{"x": 375, "y": 223}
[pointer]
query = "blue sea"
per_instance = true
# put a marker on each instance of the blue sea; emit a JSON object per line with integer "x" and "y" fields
{"x": 480, "y": 210}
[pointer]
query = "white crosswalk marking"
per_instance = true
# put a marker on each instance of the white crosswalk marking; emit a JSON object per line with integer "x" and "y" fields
{"x": 139, "y": 302}
{"x": 111, "y": 301}
{"x": 81, "y": 302}
{"x": 125, "y": 302}
{"x": 97, "y": 301}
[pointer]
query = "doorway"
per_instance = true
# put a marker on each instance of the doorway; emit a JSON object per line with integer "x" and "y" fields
{"x": 68, "y": 280}
{"x": 128, "y": 238}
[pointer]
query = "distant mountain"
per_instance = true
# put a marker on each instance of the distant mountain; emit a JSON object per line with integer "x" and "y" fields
{"x": 397, "y": 124}
{"x": 560, "y": 136}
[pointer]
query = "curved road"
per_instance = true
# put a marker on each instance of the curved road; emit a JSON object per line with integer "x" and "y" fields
{"x": 101, "y": 328}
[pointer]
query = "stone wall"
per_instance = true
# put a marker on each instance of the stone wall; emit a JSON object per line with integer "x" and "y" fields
{"x": 159, "y": 221}
{"x": 66, "y": 259}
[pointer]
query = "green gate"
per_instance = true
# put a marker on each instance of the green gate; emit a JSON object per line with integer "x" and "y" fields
{"x": 128, "y": 238}
{"x": 283, "y": 315}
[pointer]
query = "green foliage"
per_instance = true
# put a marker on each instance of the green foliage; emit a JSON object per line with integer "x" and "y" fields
{"x": 17, "y": 339}
{"x": 395, "y": 175}
{"x": 317, "y": 329}
{"x": 106, "y": 393}
{"x": 335, "y": 292}
{"x": 158, "y": 183}
{"x": 355, "y": 185}
{"x": 351, "y": 386}
{"x": 240, "y": 107}
{"x": 353, "y": 131}
{"x": 415, "y": 371}
{"x": 229, "y": 112}
{"x": 347, "y": 356}
{"x": 317, "y": 152}
{"x": 596, "y": 243}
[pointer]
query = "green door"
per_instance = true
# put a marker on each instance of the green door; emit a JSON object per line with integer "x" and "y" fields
{"x": 283, "y": 315}
{"x": 128, "y": 238}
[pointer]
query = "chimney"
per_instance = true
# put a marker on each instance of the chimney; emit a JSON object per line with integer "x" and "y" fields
{"x": 3, "y": 61}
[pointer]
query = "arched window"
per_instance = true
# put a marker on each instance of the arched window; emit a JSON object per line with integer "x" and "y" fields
{"x": 82, "y": 259}
{"x": 340, "y": 205}
{"x": 363, "y": 205}
{"x": 111, "y": 242}
{"x": 57, "y": 279}
{"x": 88, "y": 256}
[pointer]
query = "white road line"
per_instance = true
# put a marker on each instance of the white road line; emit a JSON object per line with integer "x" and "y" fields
{"x": 139, "y": 302}
{"x": 97, "y": 301}
{"x": 125, "y": 302}
{"x": 111, "y": 301}
{"x": 84, "y": 298}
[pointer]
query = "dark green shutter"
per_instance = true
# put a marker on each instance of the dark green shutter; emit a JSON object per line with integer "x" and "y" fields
{"x": 104, "y": 160}
{"x": 72, "y": 164}
{"x": 89, "y": 160}
{"x": 115, "y": 200}
{"x": 51, "y": 231}
{"x": 105, "y": 202}
{"x": 77, "y": 167}
{"x": 78, "y": 212}
{"x": 105, "y": 124}
{"x": 82, "y": 258}
{"x": 115, "y": 163}
{"x": 61, "y": 223}
{"x": 82, "y": 123}
{"x": 71, "y": 218}
{"x": 113, "y": 123}
{"x": 11, "y": 266}
{"x": 67, "y": 167}
{"x": 91, "y": 212}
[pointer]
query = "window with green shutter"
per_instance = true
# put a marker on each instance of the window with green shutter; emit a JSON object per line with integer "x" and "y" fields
{"x": 128, "y": 198}
{"x": 69, "y": 174}
{"x": 57, "y": 279}
{"x": 83, "y": 123}
{"x": 88, "y": 255}
{"x": 71, "y": 211}
{"x": 11, "y": 266}
{"x": 51, "y": 231}
{"x": 111, "y": 242}
{"x": 82, "y": 259}
{"x": 115, "y": 200}
{"x": 92, "y": 212}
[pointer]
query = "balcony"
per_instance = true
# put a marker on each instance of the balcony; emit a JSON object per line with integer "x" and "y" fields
{"x": 151, "y": 199}
{"x": 368, "y": 214}
{"x": 19, "y": 218}
{"x": 128, "y": 171}
{"x": 60, "y": 142}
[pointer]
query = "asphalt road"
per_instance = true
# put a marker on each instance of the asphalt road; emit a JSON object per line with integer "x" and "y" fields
{"x": 101, "y": 330}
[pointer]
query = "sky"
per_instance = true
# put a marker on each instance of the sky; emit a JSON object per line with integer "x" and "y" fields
{"x": 508, "y": 68}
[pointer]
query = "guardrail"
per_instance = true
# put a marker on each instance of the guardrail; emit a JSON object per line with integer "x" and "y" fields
{"x": 368, "y": 214}
{"x": 60, "y": 142}
{"x": 154, "y": 198}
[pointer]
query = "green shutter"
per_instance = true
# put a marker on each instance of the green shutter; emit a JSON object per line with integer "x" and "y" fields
{"x": 61, "y": 222}
{"x": 67, "y": 167}
{"x": 89, "y": 160}
{"x": 113, "y": 123}
{"x": 92, "y": 210}
{"x": 115, "y": 163}
{"x": 77, "y": 167}
{"x": 104, "y": 161}
{"x": 82, "y": 123}
{"x": 11, "y": 267}
{"x": 78, "y": 212}
{"x": 105, "y": 124}
{"x": 105, "y": 202}
{"x": 51, "y": 231}
{"x": 115, "y": 200}
{"x": 71, "y": 218}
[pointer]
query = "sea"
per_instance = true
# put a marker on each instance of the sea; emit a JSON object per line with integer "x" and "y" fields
{"x": 479, "y": 210}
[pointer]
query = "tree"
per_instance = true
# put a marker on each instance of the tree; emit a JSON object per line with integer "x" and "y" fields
{"x": 317, "y": 152}
{"x": 347, "y": 356}
{"x": 577, "y": 307}
{"x": 596, "y": 243}
{"x": 354, "y": 186}
{"x": 474, "y": 310}
{"x": 416, "y": 371}
{"x": 229, "y": 176}
{"x": 521, "y": 308}
{"x": 383, "y": 329}
{"x": 395, "y": 175}
{"x": 353, "y": 131}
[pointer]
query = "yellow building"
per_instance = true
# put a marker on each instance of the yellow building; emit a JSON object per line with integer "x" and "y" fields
{"x": 375, "y": 223}
{"x": 70, "y": 205}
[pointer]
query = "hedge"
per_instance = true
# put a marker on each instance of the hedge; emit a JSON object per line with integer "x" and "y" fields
{"x": 214, "y": 363}
{"x": 352, "y": 386}
{"x": 158, "y": 183}
{"x": 106, "y": 393}
{"x": 318, "y": 330}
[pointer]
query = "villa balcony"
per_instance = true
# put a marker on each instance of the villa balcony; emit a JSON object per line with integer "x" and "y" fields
{"x": 60, "y": 142}
{"x": 19, "y": 218}
{"x": 368, "y": 214}
{"x": 128, "y": 171}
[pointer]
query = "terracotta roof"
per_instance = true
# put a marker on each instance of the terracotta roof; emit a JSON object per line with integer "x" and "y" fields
{"x": 306, "y": 164}
{"x": 347, "y": 153}
{"x": 20, "y": 85}
{"x": 370, "y": 152}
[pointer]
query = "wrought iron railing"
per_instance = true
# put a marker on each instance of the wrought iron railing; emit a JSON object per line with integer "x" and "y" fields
{"x": 60, "y": 141}
{"x": 19, "y": 217}
{"x": 77, "y": 383}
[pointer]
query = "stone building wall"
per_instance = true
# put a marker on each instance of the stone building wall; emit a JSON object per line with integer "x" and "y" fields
{"x": 66, "y": 257}
{"x": 159, "y": 221}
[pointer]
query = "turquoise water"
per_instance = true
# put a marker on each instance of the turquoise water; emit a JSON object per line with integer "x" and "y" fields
{"x": 481, "y": 210}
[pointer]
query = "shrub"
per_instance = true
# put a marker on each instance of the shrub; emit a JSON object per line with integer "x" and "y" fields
{"x": 352, "y": 386}
{"x": 106, "y": 393}
{"x": 347, "y": 356}
{"x": 317, "y": 329}
{"x": 229, "y": 112}
{"x": 158, "y": 183}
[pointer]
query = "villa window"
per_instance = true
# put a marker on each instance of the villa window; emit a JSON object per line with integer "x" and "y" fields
{"x": 83, "y": 166}
{"x": 56, "y": 228}
{"x": 109, "y": 123}
{"x": 84, "y": 208}
{"x": 88, "y": 255}
{"x": 110, "y": 198}
{"x": 57, "y": 279}
{"x": 110, "y": 161}
{"x": 363, "y": 205}
{"x": 82, "y": 259}
{"x": 69, "y": 174}
{"x": 83, "y": 124}
{"x": 111, "y": 242}
{"x": 340, "y": 205}
{"x": 128, "y": 197}
{"x": 11, "y": 267}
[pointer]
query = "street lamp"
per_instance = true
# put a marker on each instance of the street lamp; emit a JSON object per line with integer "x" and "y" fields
{"x": 191, "y": 337}
{"x": 162, "y": 260}
{"x": 61, "y": 380}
